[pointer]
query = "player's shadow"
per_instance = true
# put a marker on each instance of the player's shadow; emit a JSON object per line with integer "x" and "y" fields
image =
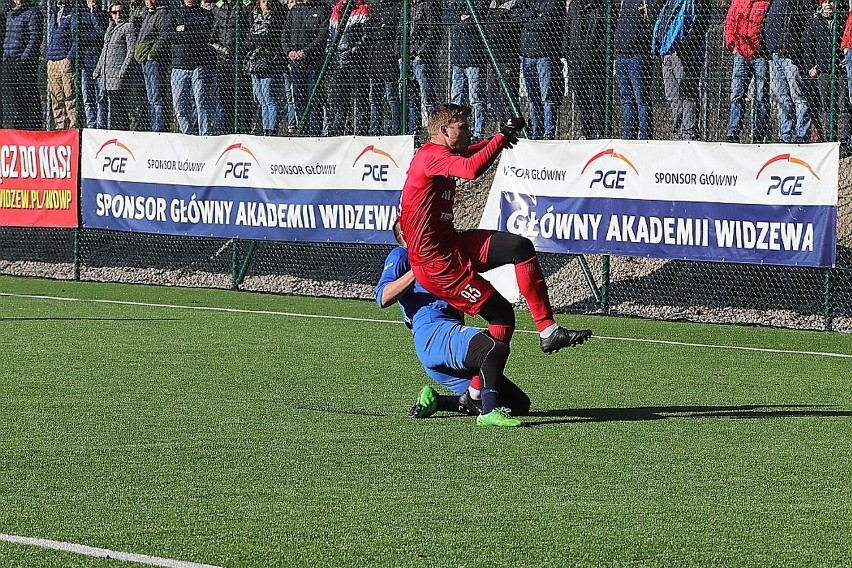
{"x": 639, "y": 413}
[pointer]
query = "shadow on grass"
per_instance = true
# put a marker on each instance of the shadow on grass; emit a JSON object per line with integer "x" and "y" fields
{"x": 572, "y": 415}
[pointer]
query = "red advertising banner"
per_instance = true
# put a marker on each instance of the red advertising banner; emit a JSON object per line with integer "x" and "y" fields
{"x": 38, "y": 178}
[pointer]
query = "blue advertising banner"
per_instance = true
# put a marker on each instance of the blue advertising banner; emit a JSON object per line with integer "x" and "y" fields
{"x": 313, "y": 190}
{"x": 757, "y": 204}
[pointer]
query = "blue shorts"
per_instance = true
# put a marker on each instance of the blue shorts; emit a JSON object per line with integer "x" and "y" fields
{"x": 441, "y": 346}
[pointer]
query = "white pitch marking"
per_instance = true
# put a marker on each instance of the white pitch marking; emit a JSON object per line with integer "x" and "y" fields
{"x": 369, "y": 320}
{"x": 102, "y": 552}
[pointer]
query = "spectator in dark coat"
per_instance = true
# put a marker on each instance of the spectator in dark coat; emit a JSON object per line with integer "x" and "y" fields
{"x": 21, "y": 57}
{"x": 384, "y": 67}
{"x": 152, "y": 53}
{"x": 264, "y": 58}
{"x": 117, "y": 67}
{"x": 467, "y": 60}
{"x": 348, "y": 92}
{"x": 543, "y": 24}
{"x": 232, "y": 114}
{"x": 818, "y": 50}
{"x": 59, "y": 56}
{"x": 93, "y": 26}
{"x": 193, "y": 69}
{"x": 304, "y": 41}
{"x": 632, "y": 44}
{"x": 585, "y": 31}
{"x": 783, "y": 28}
{"x": 503, "y": 31}
{"x": 424, "y": 33}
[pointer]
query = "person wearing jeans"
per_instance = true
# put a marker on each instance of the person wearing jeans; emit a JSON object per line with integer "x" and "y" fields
{"x": 541, "y": 40}
{"x": 304, "y": 40}
{"x": 93, "y": 25}
{"x": 424, "y": 34}
{"x": 384, "y": 67}
{"x": 783, "y": 28}
{"x": 467, "y": 59}
{"x": 794, "y": 121}
{"x": 151, "y": 53}
{"x": 541, "y": 80}
{"x": 745, "y": 71}
{"x": 193, "y": 69}
{"x": 264, "y": 52}
{"x": 632, "y": 43}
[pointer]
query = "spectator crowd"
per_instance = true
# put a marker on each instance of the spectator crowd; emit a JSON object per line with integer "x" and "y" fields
{"x": 277, "y": 67}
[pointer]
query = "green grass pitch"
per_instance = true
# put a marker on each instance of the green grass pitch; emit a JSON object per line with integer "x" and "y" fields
{"x": 254, "y": 436}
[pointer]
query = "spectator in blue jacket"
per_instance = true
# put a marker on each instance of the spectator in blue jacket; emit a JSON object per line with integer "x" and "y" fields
{"x": 59, "y": 54}
{"x": 541, "y": 41}
{"x": 467, "y": 58}
{"x": 93, "y": 26}
{"x": 21, "y": 58}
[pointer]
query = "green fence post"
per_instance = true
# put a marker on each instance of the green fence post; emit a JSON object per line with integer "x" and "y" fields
{"x": 318, "y": 86}
{"x": 827, "y": 307}
{"x": 489, "y": 51}
{"x": 234, "y": 274}
{"x": 403, "y": 70}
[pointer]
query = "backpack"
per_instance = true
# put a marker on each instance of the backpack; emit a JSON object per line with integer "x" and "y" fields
{"x": 673, "y": 23}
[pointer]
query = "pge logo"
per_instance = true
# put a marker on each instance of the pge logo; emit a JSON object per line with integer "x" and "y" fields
{"x": 376, "y": 172}
{"x": 236, "y": 168}
{"x": 609, "y": 179}
{"x": 115, "y": 164}
{"x": 787, "y": 185}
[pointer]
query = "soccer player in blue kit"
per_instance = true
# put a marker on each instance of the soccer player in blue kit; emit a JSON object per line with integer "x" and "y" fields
{"x": 452, "y": 354}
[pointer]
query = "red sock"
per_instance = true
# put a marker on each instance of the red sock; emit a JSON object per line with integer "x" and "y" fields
{"x": 476, "y": 382}
{"x": 501, "y": 332}
{"x": 534, "y": 290}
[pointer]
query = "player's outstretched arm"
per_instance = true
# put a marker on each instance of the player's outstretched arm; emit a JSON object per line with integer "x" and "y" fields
{"x": 393, "y": 290}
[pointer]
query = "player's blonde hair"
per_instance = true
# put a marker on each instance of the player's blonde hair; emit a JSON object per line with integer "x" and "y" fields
{"x": 445, "y": 115}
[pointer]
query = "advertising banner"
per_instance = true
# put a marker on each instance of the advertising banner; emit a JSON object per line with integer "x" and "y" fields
{"x": 758, "y": 204}
{"x": 342, "y": 189}
{"x": 38, "y": 178}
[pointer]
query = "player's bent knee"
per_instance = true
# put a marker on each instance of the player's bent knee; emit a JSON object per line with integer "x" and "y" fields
{"x": 508, "y": 248}
{"x": 483, "y": 347}
{"x": 498, "y": 310}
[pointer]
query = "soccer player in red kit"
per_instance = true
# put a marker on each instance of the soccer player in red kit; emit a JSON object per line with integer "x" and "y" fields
{"x": 448, "y": 263}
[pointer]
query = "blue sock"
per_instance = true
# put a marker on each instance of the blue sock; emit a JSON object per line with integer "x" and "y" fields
{"x": 489, "y": 400}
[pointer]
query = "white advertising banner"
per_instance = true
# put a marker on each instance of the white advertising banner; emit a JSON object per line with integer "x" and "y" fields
{"x": 343, "y": 189}
{"x": 766, "y": 204}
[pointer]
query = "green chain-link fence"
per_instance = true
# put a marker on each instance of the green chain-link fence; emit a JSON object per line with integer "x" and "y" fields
{"x": 576, "y": 69}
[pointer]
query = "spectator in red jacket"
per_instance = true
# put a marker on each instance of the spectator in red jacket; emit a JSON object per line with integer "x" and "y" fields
{"x": 743, "y": 37}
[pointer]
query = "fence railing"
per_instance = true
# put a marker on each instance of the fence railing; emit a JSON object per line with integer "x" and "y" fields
{"x": 578, "y": 69}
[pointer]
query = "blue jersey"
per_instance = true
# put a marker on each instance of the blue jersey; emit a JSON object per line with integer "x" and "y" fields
{"x": 441, "y": 339}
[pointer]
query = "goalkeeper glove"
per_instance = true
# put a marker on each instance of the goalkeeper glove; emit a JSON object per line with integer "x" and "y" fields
{"x": 511, "y": 128}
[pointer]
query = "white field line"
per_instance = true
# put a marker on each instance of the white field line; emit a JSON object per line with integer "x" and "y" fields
{"x": 399, "y": 322}
{"x": 102, "y": 552}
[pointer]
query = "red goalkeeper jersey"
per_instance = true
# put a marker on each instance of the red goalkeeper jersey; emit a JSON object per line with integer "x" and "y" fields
{"x": 428, "y": 196}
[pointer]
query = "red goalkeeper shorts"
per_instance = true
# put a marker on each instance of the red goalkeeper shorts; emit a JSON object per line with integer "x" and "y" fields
{"x": 453, "y": 275}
